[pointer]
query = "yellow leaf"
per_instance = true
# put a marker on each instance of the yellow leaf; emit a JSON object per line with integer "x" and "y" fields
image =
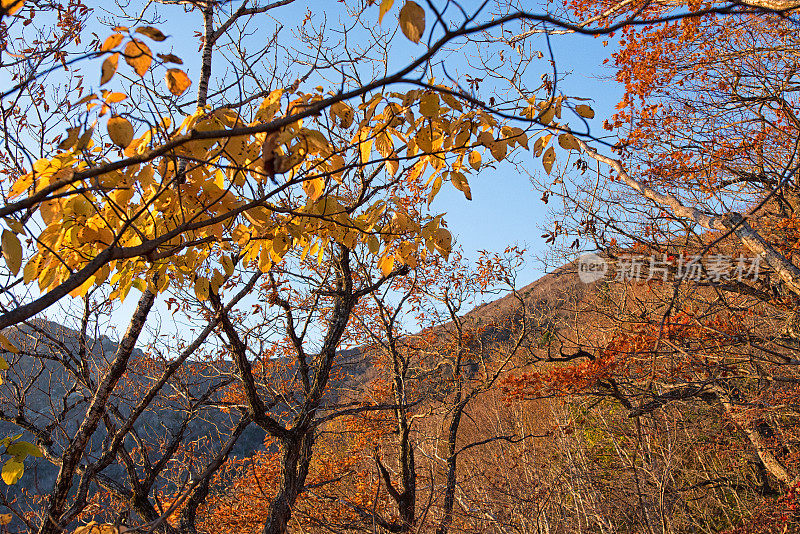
{"x": 138, "y": 56}
{"x": 111, "y": 42}
{"x": 12, "y": 251}
{"x": 177, "y": 81}
{"x": 12, "y": 471}
{"x": 15, "y": 226}
{"x": 548, "y": 159}
{"x": 201, "y": 289}
{"x": 227, "y": 264}
{"x": 392, "y": 165}
{"x": 443, "y": 241}
{"x": 547, "y": 115}
{"x": 540, "y": 143}
{"x": 151, "y": 32}
{"x": 475, "y": 159}
{"x": 585, "y": 111}
{"x": 7, "y": 346}
{"x": 386, "y": 5}
{"x": 461, "y": 183}
{"x": 437, "y": 185}
{"x": 5, "y": 519}
{"x": 109, "y": 68}
{"x": 314, "y": 188}
{"x": 451, "y": 101}
{"x": 12, "y": 6}
{"x": 364, "y": 146}
{"x": 344, "y": 113}
{"x": 120, "y": 131}
{"x": 385, "y": 264}
{"x": 412, "y": 21}
{"x": 373, "y": 244}
{"x": 23, "y": 449}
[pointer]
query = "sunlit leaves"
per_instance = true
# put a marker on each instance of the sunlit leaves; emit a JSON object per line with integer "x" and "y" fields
{"x": 23, "y": 449}
{"x": 460, "y": 182}
{"x": 12, "y": 471}
{"x": 201, "y": 288}
{"x": 14, "y": 468}
{"x": 111, "y": 42}
{"x": 138, "y": 56}
{"x": 7, "y": 346}
{"x": 568, "y": 142}
{"x": 71, "y": 138}
{"x": 412, "y": 21}
{"x": 94, "y": 527}
{"x": 430, "y": 134}
{"x": 177, "y": 81}
{"x": 475, "y": 160}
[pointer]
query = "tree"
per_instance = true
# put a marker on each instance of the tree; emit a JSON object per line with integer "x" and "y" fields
{"x": 391, "y": 459}
{"x": 326, "y": 153}
{"x": 705, "y": 167}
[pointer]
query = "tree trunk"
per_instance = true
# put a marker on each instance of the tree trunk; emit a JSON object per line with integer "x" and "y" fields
{"x": 296, "y": 453}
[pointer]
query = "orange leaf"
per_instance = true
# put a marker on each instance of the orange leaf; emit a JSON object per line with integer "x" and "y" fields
{"x": 112, "y": 42}
{"x": 177, "y": 81}
{"x": 138, "y": 56}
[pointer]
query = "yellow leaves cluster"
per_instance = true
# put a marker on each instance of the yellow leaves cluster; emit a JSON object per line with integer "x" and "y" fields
{"x": 19, "y": 450}
{"x": 94, "y": 527}
{"x": 140, "y": 57}
{"x": 221, "y": 190}
{"x": 548, "y": 111}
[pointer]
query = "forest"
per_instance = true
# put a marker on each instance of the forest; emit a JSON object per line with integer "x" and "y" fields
{"x": 232, "y": 297}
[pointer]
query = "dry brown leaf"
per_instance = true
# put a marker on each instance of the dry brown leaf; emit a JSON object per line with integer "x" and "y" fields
{"x": 69, "y": 141}
{"x": 170, "y": 58}
{"x": 151, "y": 32}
